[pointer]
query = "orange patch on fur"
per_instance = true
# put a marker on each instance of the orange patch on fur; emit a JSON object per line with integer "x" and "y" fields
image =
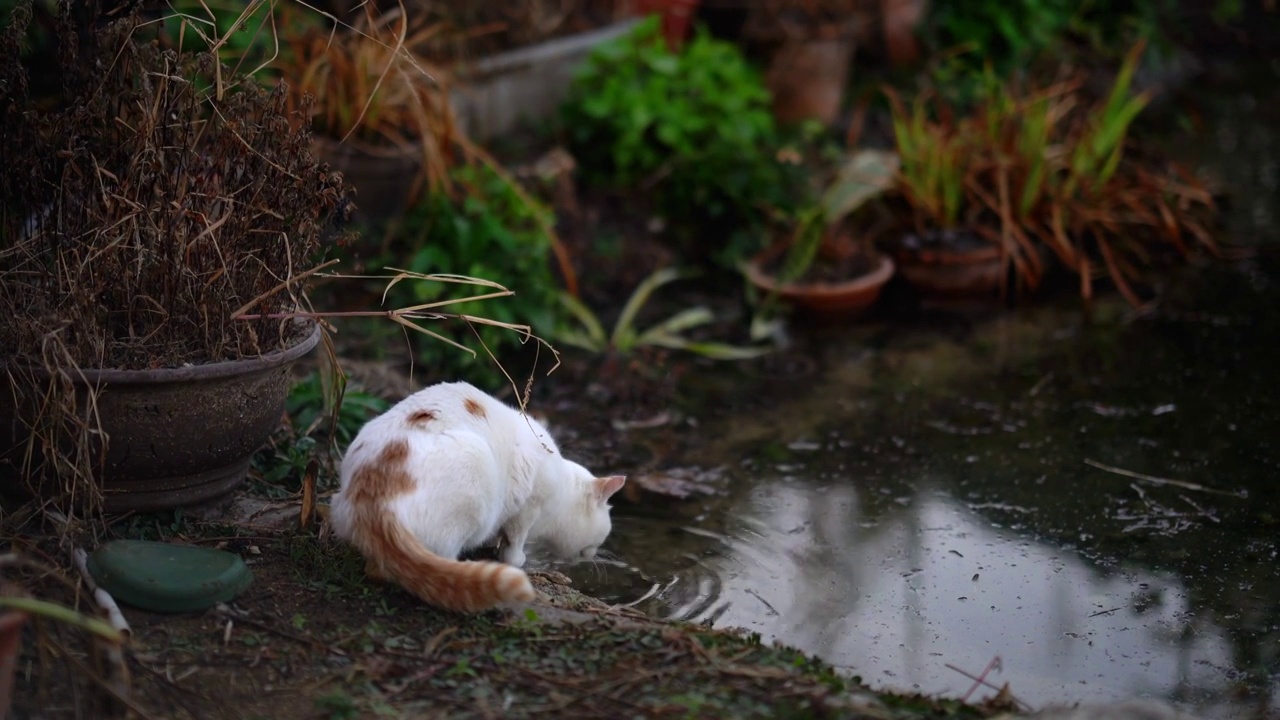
{"x": 422, "y": 417}
{"x": 473, "y": 407}
{"x": 383, "y": 478}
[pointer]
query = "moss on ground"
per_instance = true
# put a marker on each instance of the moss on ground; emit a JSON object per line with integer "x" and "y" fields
{"x": 312, "y": 638}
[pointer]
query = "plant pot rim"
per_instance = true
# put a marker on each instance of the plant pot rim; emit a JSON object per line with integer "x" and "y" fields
{"x": 756, "y": 274}
{"x": 207, "y": 371}
{"x": 357, "y": 146}
{"x": 950, "y": 256}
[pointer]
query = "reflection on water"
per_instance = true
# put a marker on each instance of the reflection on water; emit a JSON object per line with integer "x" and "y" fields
{"x": 899, "y": 597}
{"x": 1090, "y": 502}
{"x": 923, "y": 501}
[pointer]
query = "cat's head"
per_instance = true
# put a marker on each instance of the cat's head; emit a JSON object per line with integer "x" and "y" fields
{"x": 586, "y": 522}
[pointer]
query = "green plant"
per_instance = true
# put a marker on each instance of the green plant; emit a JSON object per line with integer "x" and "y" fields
{"x": 820, "y": 229}
{"x": 314, "y": 422}
{"x": 488, "y": 230}
{"x": 694, "y": 127}
{"x": 669, "y": 333}
{"x": 309, "y": 409}
{"x": 1010, "y": 36}
{"x": 933, "y": 161}
{"x": 1043, "y": 172}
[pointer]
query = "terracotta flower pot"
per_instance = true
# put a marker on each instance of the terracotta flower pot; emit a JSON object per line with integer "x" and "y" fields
{"x": 846, "y": 299}
{"x": 953, "y": 274}
{"x": 677, "y": 17}
{"x": 176, "y": 436}
{"x": 807, "y": 76}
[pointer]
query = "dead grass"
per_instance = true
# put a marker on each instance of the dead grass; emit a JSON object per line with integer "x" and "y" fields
{"x": 139, "y": 212}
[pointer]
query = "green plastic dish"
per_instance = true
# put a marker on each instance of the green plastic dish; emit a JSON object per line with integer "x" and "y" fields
{"x": 167, "y": 578}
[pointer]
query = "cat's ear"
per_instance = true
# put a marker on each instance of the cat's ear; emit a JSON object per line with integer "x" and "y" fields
{"x": 607, "y": 486}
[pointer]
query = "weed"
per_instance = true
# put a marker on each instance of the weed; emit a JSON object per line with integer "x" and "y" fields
{"x": 277, "y": 470}
{"x": 489, "y": 230}
{"x": 334, "y": 567}
{"x": 338, "y": 706}
{"x": 626, "y": 338}
{"x": 1041, "y": 173}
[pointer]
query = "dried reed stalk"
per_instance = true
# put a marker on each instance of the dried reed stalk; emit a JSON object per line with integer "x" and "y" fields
{"x": 137, "y": 213}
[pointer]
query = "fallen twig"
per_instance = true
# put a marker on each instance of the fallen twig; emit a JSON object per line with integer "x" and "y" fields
{"x": 982, "y": 680}
{"x": 108, "y": 604}
{"x": 1164, "y": 481}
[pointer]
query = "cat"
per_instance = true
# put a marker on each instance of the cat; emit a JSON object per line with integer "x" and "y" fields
{"x": 450, "y": 468}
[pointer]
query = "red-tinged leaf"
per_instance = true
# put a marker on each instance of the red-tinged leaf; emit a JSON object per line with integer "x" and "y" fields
{"x": 1172, "y": 231}
{"x": 1117, "y": 276}
{"x": 1059, "y": 240}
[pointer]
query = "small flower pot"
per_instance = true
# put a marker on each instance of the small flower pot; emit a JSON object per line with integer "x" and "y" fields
{"x": 677, "y": 17}
{"x": 848, "y": 299}
{"x": 947, "y": 274}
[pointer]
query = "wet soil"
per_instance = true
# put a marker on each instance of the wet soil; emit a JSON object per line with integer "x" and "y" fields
{"x": 313, "y": 639}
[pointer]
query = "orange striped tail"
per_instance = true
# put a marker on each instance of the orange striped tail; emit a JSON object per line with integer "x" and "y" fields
{"x": 394, "y": 553}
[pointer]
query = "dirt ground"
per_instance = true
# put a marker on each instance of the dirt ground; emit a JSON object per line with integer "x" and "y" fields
{"x": 312, "y": 638}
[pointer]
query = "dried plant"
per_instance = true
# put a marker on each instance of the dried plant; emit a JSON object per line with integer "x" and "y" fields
{"x": 144, "y": 213}
{"x": 138, "y": 214}
{"x": 372, "y": 85}
{"x": 1043, "y": 173}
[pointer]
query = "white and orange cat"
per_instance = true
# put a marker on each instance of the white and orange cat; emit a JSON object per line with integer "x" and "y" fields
{"x": 451, "y": 468}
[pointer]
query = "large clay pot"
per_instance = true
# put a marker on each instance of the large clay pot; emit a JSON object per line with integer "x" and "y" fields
{"x": 384, "y": 177}
{"x": 807, "y": 76}
{"x": 848, "y": 299}
{"x": 175, "y": 436}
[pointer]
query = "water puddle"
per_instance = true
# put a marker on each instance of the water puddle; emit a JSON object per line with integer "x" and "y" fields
{"x": 1089, "y": 501}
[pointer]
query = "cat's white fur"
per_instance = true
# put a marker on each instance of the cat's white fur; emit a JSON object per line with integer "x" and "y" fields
{"x": 455, "y": 468}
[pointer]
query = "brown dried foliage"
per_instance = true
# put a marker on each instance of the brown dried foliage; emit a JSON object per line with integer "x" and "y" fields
{"x": 1048, "y": 175}
{"x": 372, "y": 84}
{"x": 138, "y": 214}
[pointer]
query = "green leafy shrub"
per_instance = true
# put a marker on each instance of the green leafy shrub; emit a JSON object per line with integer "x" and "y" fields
{"x": 1011, "y": 34}
{"x": 694, "y": 126}
{"x": 278, "y": 469}
{"x": 487, "y": 231}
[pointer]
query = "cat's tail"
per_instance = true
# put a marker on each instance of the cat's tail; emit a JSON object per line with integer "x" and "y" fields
{"x": 395, "y": 554}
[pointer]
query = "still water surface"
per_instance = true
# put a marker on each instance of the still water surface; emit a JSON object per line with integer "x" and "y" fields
{"x": 912, "y": 500}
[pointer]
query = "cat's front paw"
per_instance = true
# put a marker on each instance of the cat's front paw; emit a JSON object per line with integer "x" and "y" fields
{"x": 513, "y": 556}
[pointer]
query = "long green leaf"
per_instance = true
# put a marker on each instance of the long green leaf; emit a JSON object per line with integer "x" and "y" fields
{"x": 53, "y": 611}
{"x": 590, "y": 323}
{"x": 580, "y": 340}
{"x": 639, "y": 297}
{"x": 865, "y": 175}
{"x": 713, "y": 350}
{"x": 678, "y": 323}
